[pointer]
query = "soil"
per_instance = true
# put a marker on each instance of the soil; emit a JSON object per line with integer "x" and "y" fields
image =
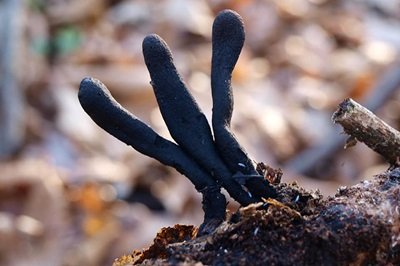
{"x": 360, "y": 225}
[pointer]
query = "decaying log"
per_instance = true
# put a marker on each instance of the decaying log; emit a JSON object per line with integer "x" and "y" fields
{"x": 362, "y": 125}
{"x": 360, "y": 225}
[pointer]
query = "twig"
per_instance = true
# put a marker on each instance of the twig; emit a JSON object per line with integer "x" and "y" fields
{"x": 362, "y": 125}
{"x": 306, "y": 161}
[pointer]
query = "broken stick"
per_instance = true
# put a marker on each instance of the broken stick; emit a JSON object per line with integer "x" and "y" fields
{"x": 362, "y": 125}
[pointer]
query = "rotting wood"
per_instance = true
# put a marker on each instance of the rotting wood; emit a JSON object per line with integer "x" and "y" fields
{"x": 362, "y": 125}
{"x": 358, "y": 226}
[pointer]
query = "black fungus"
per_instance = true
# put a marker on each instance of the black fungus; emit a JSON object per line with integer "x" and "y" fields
{"x": 186, "y": 123}
{"x": 227, "y": 42}
{"x": 209, "y": 162}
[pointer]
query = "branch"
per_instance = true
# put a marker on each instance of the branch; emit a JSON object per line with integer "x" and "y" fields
{"x": 362, "y": 125}
{"x": 306, "y": 161}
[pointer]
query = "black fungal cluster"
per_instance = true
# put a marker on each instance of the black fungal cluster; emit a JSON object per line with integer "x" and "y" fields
{"x": 209, "y": 161}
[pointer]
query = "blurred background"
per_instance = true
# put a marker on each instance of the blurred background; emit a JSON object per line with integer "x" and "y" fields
{"x": 70, "y": 194}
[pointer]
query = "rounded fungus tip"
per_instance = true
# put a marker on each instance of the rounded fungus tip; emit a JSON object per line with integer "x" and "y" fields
{"x": 155, "y": 50}
{"x": 90, "y": 85}
{"x": 229, "y": 25}
{"x": 93, "y": 94}
{"x": 86, "y": 88}
{"x": 228, "y": 15}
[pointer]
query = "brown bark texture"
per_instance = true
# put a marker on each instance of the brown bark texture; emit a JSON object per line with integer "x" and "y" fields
{"x": 362, "y": 125}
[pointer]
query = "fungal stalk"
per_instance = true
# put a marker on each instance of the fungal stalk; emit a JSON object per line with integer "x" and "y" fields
{"x": 208, "y": 162}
